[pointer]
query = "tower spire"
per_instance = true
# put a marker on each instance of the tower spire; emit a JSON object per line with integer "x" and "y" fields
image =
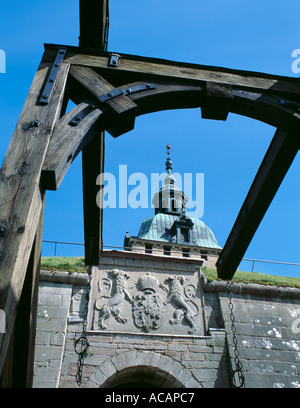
{"x": 169, "y": 161}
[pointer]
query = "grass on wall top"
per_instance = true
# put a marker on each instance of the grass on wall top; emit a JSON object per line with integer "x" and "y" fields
{"x": 76, "y": 264}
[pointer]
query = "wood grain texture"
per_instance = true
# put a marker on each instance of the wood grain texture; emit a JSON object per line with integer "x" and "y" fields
{"x": 123, "y": 110}
{"x": 66, "y": 143}
{"x": 248, "y": 80}
{"x": 21, "y": 197}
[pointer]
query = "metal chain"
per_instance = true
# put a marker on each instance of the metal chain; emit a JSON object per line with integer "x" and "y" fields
{"x": 82, "y": 344}
{"x": 238, "y": 378}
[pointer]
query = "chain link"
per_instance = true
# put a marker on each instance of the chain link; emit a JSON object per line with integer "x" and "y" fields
{"x": 81, "y": 344}
{"x": 238, "y": 379}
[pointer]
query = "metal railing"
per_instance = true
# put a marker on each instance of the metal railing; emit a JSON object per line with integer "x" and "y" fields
{"x": 253, "y": 261}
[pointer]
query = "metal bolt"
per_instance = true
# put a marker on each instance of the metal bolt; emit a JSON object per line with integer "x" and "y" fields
{"x": 36, "y": 123}
{"x": 3, "y": 232}
{"x": 20, "y": 230}
{"x": 22, "y": 171}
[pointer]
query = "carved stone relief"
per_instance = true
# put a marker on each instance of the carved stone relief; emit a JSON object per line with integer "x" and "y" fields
{"x": 181, "y": 294}
{"x": 145, "y": 302}
{"x": 120, "y": 293}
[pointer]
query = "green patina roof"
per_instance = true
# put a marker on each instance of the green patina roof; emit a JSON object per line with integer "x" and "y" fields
{"x": 157, "y": 228}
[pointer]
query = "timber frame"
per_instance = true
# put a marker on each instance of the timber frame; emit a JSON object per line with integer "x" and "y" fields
{"x": 110, "y": 90}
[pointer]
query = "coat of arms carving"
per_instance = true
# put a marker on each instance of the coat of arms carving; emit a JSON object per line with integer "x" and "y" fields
{"x": 147, "y": 304}
{"x": 120, "y": 293}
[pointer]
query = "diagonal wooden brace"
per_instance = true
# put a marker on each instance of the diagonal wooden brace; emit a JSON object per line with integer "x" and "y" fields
{"x": 217, "y": 101}
{"x": 119, "y": 106}
{"x": 277, "y": 161}
{"x": 66, "y": 142}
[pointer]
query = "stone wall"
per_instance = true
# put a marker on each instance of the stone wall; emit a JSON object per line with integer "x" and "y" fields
{"x": 267, "y": 324}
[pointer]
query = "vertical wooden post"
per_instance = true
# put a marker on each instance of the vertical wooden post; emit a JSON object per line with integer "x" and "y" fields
{"x": 18, "y": 368}
{"x": 93, "y": 31}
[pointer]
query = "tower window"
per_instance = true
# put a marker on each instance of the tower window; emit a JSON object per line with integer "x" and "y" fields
{"x": 148, "y": 248}
{"x": 167, "y": 250}
{"x": 185, "y": 236}
{"x": 185, "y": 252}
{"x": 173, "y": 205}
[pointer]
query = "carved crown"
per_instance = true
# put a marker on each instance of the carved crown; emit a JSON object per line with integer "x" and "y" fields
{"x": 148, "y": 282}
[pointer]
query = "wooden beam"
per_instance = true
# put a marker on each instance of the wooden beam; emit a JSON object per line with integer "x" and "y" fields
{"x": 217, "y": 102}
{"x": 93, "y": 32}
{"x": 21, "y": 198}
{"x": 19, "y": 364}
{"x": 93, "y": 23}
{"x": 122, "y": 109}
{"x": 272, "y": 171}
{"x": 142, "y": 66}
{"x": 67, "y": 142}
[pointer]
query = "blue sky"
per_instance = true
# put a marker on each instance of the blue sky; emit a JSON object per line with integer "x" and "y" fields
{"x": 256, "y": 35}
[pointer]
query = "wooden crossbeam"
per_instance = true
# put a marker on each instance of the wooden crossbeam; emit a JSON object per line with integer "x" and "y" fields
{"x": 272, "y": 171}
{"x": 142, "y": 67}
{"x": 122, "y": 109}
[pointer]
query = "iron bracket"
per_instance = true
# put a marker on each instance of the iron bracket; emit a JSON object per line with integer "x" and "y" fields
{"x": 48, "y": 89}
{"x": 114, "y": 60}
{"x": 127, "y": 91}
{"x": 108, "y": 96}
{"x": 81, "y": 115}
{"x": 139, "y": 88}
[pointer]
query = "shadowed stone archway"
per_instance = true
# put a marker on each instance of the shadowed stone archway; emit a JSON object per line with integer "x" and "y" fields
{"x": 141, "y": 369}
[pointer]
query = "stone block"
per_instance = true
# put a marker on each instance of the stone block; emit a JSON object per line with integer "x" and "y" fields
{"x": 131, "y": 358}
{"x": 52, "y": 325}
{"x": 120, "y": 362}
{"x": 165, "y": 363}
{"x": 44, "y": 353}
{"x": 177, "y": 347}
{"x": 42, "y": 338}
{"x": 192, "y": 383}
{"x": 57, "y": 339}
{"x": 108, "y": 368}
